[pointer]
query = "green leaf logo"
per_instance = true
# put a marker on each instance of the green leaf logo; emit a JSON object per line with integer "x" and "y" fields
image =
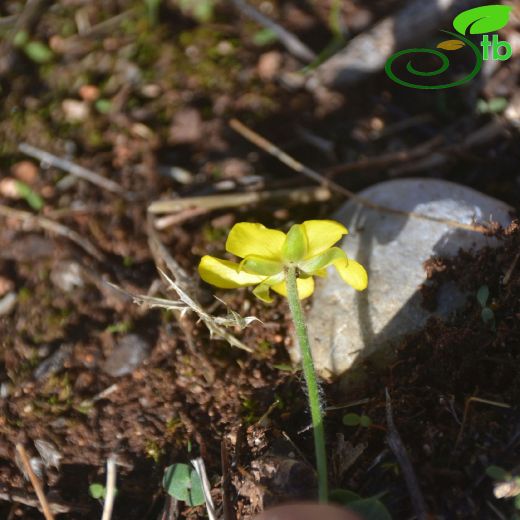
{"x": 480, "y": 20}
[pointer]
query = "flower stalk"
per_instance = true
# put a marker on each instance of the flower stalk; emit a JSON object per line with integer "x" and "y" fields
{"x": 311, "y": 381}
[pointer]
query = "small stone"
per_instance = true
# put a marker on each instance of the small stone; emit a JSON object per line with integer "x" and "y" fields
{"x": 75, "y": 111}
{"x": 25, "y": 171}
{"x": 151, "y": 90}
{"x": 9, "y": 188}
{"x": 67, "y": 276}
{"x": 8, "y": 303}
{"x": 347, "y": 326}
{"x": 186, "y": 127}
{"x": 128, "y": 354}
{"x": 269, "y": 65}
{"x": 89, "y": 93}
{"x": 6, "y": 285}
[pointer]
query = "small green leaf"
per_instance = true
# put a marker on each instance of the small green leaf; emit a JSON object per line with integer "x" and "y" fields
{"x": 365, "y": 421}
{"x": 351, "y": 419}
{"x": 103, "y": 106}
{"x": 497, "y": 473}
{"x": 493, "y": 106}
{"x": 38, "y": 52}
{"x": 30, "y": 196}
{"x": 264, "y": 37}
{"x": 20, "y": 38}
{"x": 487, "y": 315}
{"x": 295, "y": 246}
{"x": 182, "y": 482}
{"x": 370, "y": 508}
{"x": 517, "y": 502}
{"x": 451, "y": 45}
{"x": 152, "y": 6}
{"x": 483, "y": 295}
{"x": 343, "y": 496}
{"x": 285, "y": 367}
{"x": 97, "y": 490}
{"x": 201, "y": 10}
{"x": 480, "y": 20}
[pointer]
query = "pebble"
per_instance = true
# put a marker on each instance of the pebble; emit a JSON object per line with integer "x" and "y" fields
{"x": 8, "y": 303}
{"x": 6, "y": 285}
{"x": 75, "y": 111}
{"x": 186, "y": 127}
{"x": 130, "y": 351}
{"x": 347, "y": 326}
{"x": 269, "y": 65}
{"x": 25, "y": 171}
{"x": 67, "y": 276}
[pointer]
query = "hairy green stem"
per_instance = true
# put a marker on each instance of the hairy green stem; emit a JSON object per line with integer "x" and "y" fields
{"x": 310, "y": 380}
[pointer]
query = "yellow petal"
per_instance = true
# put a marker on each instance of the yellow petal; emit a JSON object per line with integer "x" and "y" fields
{"x": 305, "y": 287}
{"x": 225, "y": 274}
{"x": 246, "y": 239}
{"x": 353, "y": 273}
{"x": 322, "y": 234}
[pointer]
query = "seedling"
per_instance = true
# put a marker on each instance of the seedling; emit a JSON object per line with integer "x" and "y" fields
{"x": 98, "y": 491}
{"x": 354, "y": 419}
{"x": 487, "y": 314}
{"x": 38, "y": 52}
{"x": 286, "y": 264}
{"x": 183, "y": 483}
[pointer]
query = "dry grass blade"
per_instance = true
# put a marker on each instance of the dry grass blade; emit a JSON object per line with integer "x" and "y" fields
{"x": 110, "y": 488}
{"x": 231, "y": 200}
{"x": 185, "y": 304}
{"x": 53, "y": 227}
{"x": 200, "y": 468}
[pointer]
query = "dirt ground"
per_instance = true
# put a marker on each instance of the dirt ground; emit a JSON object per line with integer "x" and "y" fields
{"x": 144, "y": 99}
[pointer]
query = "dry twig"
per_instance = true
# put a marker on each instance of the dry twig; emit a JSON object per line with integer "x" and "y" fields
{"x": 288, "y": 40}
{"x": 396, "y": 445}
{"x": 47, "y": 512}
{"x": 74, "y": 169}
{"x": 53, "y": 227}
{"x": 297, "y": 166}
{"x": 19, "y": 496}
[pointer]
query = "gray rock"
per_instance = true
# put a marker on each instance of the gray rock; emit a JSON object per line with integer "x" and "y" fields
{"x": 346, "y": 326}
{"x": 128, "y": 354}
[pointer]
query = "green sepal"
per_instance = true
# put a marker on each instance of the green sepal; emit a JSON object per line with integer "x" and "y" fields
{"x": 253, "y": 264}
{"x": 321, "y": 261}
{"x": 295, "y": 246}
{"x": 262, "y": 292}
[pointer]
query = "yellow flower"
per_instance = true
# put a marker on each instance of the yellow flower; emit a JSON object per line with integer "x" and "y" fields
{"x": 267, "y": 252}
